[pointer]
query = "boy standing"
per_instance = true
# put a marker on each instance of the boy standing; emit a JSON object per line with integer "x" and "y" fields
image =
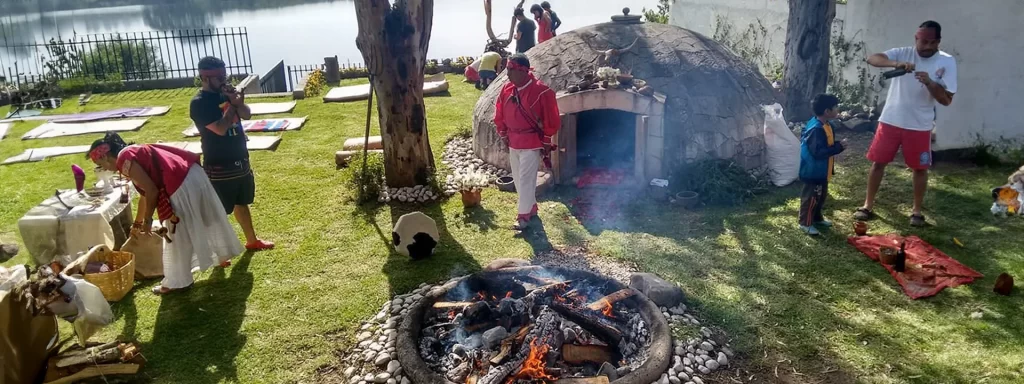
{"x": 818, "y": 148}
{"x": 218, "y": 110}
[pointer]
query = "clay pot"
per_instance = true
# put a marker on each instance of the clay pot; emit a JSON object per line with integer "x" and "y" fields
{"x": 860, "y": 228}
{"x": 470, "y": 198}
{"x": 625, "y": 79}
{"x": 887, "y": 255}
{"x": 1004, "y": 284}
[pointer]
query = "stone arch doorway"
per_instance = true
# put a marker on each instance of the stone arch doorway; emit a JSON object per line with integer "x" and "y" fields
{"x": 601, "y": 112}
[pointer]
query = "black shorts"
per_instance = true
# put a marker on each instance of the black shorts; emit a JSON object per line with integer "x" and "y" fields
{"x": 236, "y": 191}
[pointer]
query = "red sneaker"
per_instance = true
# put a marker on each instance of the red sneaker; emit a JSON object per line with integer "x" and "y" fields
{"x": 259, "y": 245}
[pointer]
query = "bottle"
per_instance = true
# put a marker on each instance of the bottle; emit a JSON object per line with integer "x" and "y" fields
{"x": 894, "y": 73}
{"x": 901, "y": 258}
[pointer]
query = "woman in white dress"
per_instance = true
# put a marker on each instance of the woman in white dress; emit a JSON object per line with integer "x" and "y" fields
{"x": 173, "y": 185}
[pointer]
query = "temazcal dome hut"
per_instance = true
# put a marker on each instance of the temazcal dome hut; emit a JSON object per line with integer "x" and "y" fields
{"x": 707, "y": 102}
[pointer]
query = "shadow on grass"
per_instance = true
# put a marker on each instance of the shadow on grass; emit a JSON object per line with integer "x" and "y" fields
{"x": 450, "y": 259}
{"x": 818, "y": 309}
{"x": 191, "y": 344}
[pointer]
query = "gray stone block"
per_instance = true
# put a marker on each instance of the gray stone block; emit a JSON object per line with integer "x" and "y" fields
{"x": 661, "y": 292}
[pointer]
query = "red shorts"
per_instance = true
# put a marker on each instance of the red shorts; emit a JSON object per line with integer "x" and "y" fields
{"x": 916, "y": 145}
{"x": 472, "y": 74}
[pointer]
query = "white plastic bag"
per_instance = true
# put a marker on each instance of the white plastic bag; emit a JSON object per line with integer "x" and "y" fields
{"x": 783, "y": 147}
{"x": 88, "y": 310}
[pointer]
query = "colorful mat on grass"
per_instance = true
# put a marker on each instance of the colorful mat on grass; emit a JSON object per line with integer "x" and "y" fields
{"x": 264, "y": 125}
{"x": 928, "y": 270}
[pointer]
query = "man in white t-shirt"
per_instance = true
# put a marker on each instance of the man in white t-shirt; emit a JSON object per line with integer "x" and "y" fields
{"x": 909, "y": 114}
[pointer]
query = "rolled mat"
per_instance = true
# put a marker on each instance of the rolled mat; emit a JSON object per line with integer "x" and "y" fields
{"x": 939, "y": 271}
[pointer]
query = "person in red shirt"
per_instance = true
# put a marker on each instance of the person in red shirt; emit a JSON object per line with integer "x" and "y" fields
{"x": 544, "y": 30}
{"x": 526, "y": 115}
{"x": 176, "y": 188}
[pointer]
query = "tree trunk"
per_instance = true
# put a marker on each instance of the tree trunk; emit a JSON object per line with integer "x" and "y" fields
{"x": 807, "y": 54}
{"x": 394, "y": 41}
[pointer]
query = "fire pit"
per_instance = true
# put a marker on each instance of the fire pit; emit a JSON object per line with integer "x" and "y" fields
{"x": 534, "y": 324}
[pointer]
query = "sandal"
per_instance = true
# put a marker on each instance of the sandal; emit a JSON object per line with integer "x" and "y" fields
{"x": 863, "y": 214}
{"x": 259, "y": 245}
{"x": 160, "y": 290}
{"x": 917, "y": 220}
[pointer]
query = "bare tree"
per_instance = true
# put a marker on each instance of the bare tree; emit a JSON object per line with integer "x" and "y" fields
{"x": 807, "y": 54}
{"x": 394, "y": 39}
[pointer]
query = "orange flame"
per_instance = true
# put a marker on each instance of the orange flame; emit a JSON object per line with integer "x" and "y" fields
{"x": 508, "y": 295}
{"x": 606, "y": 308}
{"x": 451, "y": 315}
{"x": 533, "y": 367}
{"x": 480, "y": 296}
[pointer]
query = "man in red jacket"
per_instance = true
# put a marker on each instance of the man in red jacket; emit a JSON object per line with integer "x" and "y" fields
{"x": 526, "y": 115}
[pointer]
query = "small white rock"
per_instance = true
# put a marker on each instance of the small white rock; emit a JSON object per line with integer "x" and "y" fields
{"x": 706, "y": 346}
{"x": 393, "y": 366}
{"x": 711, "y": 364}
{"x": 382, "y": 359}
{"x": 381, "y": 378}
{"x": 722, "y": 359}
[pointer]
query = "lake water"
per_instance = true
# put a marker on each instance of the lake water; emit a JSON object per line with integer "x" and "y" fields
{"x": 303, "y": 32}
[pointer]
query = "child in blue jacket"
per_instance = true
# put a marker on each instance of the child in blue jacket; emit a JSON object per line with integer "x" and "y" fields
{"x": 818, "y": 148}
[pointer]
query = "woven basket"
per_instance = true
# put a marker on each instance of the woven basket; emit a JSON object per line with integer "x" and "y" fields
{"x": 114, "y": 284}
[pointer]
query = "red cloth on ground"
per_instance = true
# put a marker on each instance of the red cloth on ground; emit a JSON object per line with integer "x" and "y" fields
{"x": 596, "y": 176}
{"x": 173, "y": 163}
{"x": 918, "y": 282}
{"x": 520, "y": 114}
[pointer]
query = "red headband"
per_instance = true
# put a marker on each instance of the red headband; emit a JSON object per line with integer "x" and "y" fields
{"x": 926, "y": 34}
{"x": 213, "y": 72}
{"x": 97, "y": 153}
{"x": 515, "y": 66}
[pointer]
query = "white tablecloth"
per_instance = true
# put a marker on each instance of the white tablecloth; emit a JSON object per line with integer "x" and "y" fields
{"x": 50, "y": 230}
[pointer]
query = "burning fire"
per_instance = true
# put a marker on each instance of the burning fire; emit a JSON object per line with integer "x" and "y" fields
{"x": 508, "y": 295}
{"x": 533, "y": 367}
{"x": 451, "y": 315}
{"x": 480, "y": 296}
{"x": 606, "y": 308}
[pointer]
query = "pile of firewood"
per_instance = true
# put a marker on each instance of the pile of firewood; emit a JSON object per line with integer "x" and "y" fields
{"x": 544, "y": 331}
{"x": 99, "y": 360}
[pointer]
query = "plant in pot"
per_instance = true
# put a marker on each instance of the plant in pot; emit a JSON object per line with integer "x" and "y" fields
{"x": 470, "y": 183}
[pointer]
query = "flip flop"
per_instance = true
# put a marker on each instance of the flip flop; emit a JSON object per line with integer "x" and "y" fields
{"x": 918, "y": 220}
{"x": 864, "y": 214}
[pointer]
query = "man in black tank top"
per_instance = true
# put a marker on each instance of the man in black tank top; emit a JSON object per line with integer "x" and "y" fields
{"x": 218, "y": 110}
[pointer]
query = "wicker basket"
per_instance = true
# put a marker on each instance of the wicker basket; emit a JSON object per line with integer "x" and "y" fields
{"x": 114, "y": 284}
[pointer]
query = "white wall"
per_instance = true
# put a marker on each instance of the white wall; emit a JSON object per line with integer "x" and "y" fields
{"x": 984, "y": 37}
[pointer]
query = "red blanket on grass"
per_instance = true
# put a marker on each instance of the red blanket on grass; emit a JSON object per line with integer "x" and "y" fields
{"x": 927, "y": 271}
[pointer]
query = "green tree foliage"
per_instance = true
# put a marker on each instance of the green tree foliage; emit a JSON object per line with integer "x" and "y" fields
{"x": 660, "y": 15}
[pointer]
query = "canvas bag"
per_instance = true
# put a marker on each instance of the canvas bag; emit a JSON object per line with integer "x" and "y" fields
{"x": 149, "y": 254}
{"x": 783, "y": 147}
{"x": 26, "y": 341}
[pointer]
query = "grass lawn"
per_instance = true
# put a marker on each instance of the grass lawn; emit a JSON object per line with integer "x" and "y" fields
{"x": 799, "y": 309}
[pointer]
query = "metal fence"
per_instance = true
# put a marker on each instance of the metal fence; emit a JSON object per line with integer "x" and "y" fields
{"x": 297, "y": 72}
{"x": 126, "y": 56}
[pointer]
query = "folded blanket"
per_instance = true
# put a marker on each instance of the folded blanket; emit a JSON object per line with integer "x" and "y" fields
{"x": 928, "y": 270}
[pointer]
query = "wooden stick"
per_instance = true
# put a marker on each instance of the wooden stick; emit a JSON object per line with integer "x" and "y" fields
{"x": 589, "y": 323}
{"x": 619, "y": 295}
{"x": 366, "y": 141}
{"x": 452, "y": 304}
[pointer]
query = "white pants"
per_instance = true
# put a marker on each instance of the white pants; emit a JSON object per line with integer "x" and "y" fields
{"x": 525, "y": 164}
{"x": 203, "y": 238}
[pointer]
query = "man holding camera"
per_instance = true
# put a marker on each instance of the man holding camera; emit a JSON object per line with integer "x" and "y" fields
{"x": 909, "y": 114}
{"x": 218, "y": 110}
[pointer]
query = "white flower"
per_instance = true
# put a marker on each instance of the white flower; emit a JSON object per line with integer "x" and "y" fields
{"x": 471, "y": 180}
{"x": 608, "y": 73}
